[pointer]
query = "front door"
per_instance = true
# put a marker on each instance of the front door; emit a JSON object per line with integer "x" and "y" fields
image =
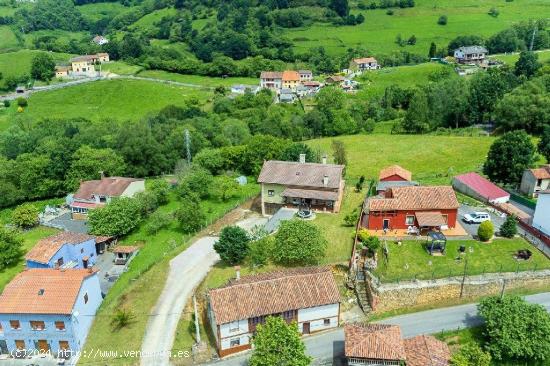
{"x": 305, "y": 329}
{"x": 3, "y": 348}
{"x": 85, "y": 263}
{"x": 43, "y": 346}
{"x": 386, "y": 224}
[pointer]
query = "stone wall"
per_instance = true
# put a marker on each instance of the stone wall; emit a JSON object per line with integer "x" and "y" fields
{"x": 386, "y": 297}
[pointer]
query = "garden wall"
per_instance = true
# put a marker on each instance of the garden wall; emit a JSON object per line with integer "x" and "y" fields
{"x": 386, "y": 297}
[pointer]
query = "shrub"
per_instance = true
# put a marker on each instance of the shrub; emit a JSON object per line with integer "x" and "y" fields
{"x": 190, "y": 216}
{"x": 442, "y": 20}
{"x": 157, "y": 221}
{"x": 389, "y": 12}
{"x": 351, "y": 218}
{"x": 298, "y": 243}
{"x": 494, "y": 12}
{"x": 471, "y": 355}
{"x": 7, "y": 103}
{"x": 22, "y": 102}
{"x": 122, "y": 318}
{"x": 485, "y": 231}
{"x": 509, "y": 228}
{"x": 25, "y": 216}
{"x": 260, "y": 251}
{"x": 10, "y": 247}
{"x": 232, "y": 245}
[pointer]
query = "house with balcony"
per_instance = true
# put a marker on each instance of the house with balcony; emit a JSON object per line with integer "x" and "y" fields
{"x": 308, "y": 297}
{"x": 470, "y": 54}
{"x": 48, "y": 310}
{"x": 534, "y": 181}
{"x": 271, "y": 80}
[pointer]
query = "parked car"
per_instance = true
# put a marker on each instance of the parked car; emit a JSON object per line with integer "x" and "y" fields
{"x": 476, "y": 217}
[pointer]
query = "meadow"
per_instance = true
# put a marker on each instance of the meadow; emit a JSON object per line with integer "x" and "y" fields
{"x": 206, "y": 81}
{"x": 511, "y": 59}
{"x": 19, "y": 62}
{"x": 377, "y": 34}
{"x": 8, "y": 40}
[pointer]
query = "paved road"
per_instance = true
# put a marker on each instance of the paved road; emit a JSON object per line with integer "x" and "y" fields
{"x": 187, "y": 270}
{"x": 330, "y": 345}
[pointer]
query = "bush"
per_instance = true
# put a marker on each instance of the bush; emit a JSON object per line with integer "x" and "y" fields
{"x": 485, "y": 231}
{"x": 25, "y": 216}
{"x": 298, "y": 243}
{"x": 471, "y": 355}
{"x": 351, "y": 218}
{"x": 260, "y": 251}
{"x": 22, "y": 102}
{"x": 389, "y": 12}
{"x": 509, "y": 228}
{"x": 190, "y": 216}
{"x": 10, "y": 247}
{"x": 161, "y": 189}
{"x": 118, "y": 218}
{"x": 7, "y": 103}
{"x": 122, "y": 318}
{"x": 494, "y": 12}
{"x": 198, "y": 180}
{"x": 232, "y": 245}
{"x": 442, "y": 20}
{"x": 157, "y": 221}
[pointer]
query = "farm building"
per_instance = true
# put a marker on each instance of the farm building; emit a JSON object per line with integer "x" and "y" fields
{"x": 535, "y": 180}
{"x": 307, "y": 296}
{"x": 541, "y": 219}
{"x": 478, "y": 187}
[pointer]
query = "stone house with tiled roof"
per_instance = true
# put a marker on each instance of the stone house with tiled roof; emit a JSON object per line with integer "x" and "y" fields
{"x": 48, "y": 310}
{"x": 307, "y": 296}
{"x": 319, "y": 187}
{"x": 534, "y": 181}
{"x": 382, "y": 344}
{"x": 434, "y": 207}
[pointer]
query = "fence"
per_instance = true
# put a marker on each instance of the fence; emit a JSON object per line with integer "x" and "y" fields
{"x": 522, "y": 200}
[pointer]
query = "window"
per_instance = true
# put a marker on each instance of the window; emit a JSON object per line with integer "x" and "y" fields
{"x": 234, "y": 326}
{"x": 81, "y": 250}
{"x": 1, "y": 329}
{"x": 59, "y": 325}
{"x": 446, "y": 218}
{"x": 326, "y": 322}
{"x": 60, "y": 262}
{"x": 86, "y": 298}
{"x": 270, "y": 193}
{"x": 409, "y": 220}
{"x": 235, "y": 342}
{"x": 37, "y": 325}
{"x": 14, "y": 324}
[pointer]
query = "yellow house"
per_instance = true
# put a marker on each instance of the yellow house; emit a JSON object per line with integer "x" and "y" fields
{"x": 291, "y": 79}
{"x": 62, "y": 71}
{"x": 85, "y": 65}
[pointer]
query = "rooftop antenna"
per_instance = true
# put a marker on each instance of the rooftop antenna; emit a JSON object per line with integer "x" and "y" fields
{"x": 188, "y": 146}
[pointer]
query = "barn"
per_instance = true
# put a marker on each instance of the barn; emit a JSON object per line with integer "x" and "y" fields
{"x": 478, "y": 187}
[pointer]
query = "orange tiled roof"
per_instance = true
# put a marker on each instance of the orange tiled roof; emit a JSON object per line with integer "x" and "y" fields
{"x": 541, "y": 173}
{"x": 374, "y": 341}
{"x": 44, "y": 250}
{"x": 273, "y": 293}
{"x": 124, "y": 249}
{"x": 426, "y": 351}
{"x": 415, "y": 198}
{"x": 43, "y": 291}
{"x": 291, "y": 75}
{"x": 395, "y": 170}
{"x": 111, "y": 186}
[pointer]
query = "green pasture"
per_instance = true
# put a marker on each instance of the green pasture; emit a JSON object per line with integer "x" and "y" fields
{"x": 198, "y": 79}
{"x": 8, "y": 41}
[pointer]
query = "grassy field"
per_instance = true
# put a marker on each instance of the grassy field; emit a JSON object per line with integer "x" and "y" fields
{"x": 8, "y": 41}
{"x": 120, "y": 68}
{"x": 139, "y": 288}
{"x": 511, "y": 59}
{"x": 94, "y": 12}
{"x": 19, "y": 62}
{"x": 60, "y": 35}
{"x": 147, "y": 22}
{"x": 410, "y": 260}
{"x": 198, "y": 79}
{"x": 377, "y": 34}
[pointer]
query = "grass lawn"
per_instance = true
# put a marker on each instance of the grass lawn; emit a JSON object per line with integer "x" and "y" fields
{"x": 511, "y": 59}
{"x": 120, "y": 68}
{"x": 97, "y": 11}
{"x": 139, "y": 288}
{"x": 410, "y": 260}
{"x": 19, "y": 62}
{"x": 8, "y": 41}
{"x": 147, "y": 22}
{"x": 198, "y": 79}
{"x": 377, "y": 34}
{"x": 432, "y": 159}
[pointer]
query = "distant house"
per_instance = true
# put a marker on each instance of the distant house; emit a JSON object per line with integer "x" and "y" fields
{"x": 305, "y": 75}
{"x": 271, "y": 80}
{"x": 470, "y": 54}
{"x": 48, "y": 310}
{"x": 335, "y": 80}
{"x": 123, "y": 253}
{"x": 478, "y": 187}
{"x": 241, "y": 89}
{"x": 363, "y": 64}
{"x": 85, "y": 65}
{"x": 62, "y": 71}
{"x": 97, "y": 193}
{"x": 291, "y": 79}
{"x": 307, "y": 296}
{"x": 415, "y": 206}
{"x": 100, "y": 40}
{"x": 541, "y": 218}
{"x": 534, "y": 181}
{"x": 382, "y": 344}
{"x": 296, "y": 184}
{"x": 394, "y": 176}
{"x": 311, "y": 84}
{"x": 64, "y": 250}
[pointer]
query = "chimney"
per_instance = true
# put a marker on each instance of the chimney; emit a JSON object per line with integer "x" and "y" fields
{"x": 324, "y": 159}
{"x": 325, "y": 180}
{"x": 238, "y": 273}
{"x": 302, "y": 158}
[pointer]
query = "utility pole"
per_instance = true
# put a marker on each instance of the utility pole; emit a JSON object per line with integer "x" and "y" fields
{"x": 533, "y": 37}
{"x": 197, "y": 330}
{"x": 188, "y": 146}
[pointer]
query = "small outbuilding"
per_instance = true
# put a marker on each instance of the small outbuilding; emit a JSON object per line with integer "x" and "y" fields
{"x": 123, "y": 253}
{"x": 478, "y": 187}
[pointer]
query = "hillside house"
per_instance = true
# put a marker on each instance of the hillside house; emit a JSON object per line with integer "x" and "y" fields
{"x": 123, "y": 253}
{"x": 534, "y": 181}
{"x": 297, "y": 184}
{"x": 85, "y": 65}
{"x": 62, "y": 71}
{"x": 307, "y": 296}
{"x": 48, "y": 310}
{"x": 541, "y": 218}
{"x": 363, "y": 64}
{"x": 470, "y": 54}
{"x": 291, "y": 79}
{"x": 97, "y": 193}
{"x": 100, "y": 40}
{"x": 64, "y": 250}
{"x": 305, "y": 75}
{"x": 480, "y": 188}
{"x": 382, "y": 344}
{"x": 416, "y": 206}
{"x": 271, "y": 80}
{"x": 335, "y": 80}
{"x": 394, "y": 176}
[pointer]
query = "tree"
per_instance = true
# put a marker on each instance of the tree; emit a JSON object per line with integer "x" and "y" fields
{"x": 233, "y": 245}
{"x": 486, "y": 89}
{"x": 471, "y": 355}
{"x": 341, "y": 7}
{"x": 157, "y": 221}
{"x": 43, "y": 67}
{"x": 298, "y": 242}
{"x": 25, "y": 216}
{"x": 510, "y": 227}
{"x": 89, "y": 163}
{"x": 527, "y": 64}
{"x": 544, "y": 143}
{"x": 412, "y": 40}
{"x": 339, "y": 152}
{"x": 515, "y": 329}
{"x": 277, "y": 343}
{"x": 442, "y": 20}
{"x": 433, "y": 50}
{"x": 416, "y": 118}
{"x": 260, "y": 251}
{"x": 509, "y": 156}
{"x": 161, "y": 189}
{"x": 198, "y": 180}
{"x": 10, "y": 247}
{"x": 485, "y": 231}
{"x": 225, "y": 187}
{"x": 117, "y": 218}
{"x": 22, "y": 102}
{"x": 190, "y": 216}
{"x": 293, "y": 152}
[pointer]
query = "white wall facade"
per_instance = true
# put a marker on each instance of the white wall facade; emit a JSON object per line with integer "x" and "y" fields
{"x": 541, "y": 220}
{"x": 237, "y": 330}
{"x": 316, "y": 317}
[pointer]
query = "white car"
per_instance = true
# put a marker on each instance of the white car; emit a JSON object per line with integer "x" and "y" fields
{"x": 476, "y": 217}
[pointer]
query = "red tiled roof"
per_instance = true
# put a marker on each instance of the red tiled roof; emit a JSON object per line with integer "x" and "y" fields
{"x": 425, "y": 350}
{"x": 112, "y": 187}
{"x": 482, "y": 186}
{"x": 415, "y": 198}
{"x": 273, "y": 293}
{"x": 395, "y": 170}
{"x": 301, "y": 174}
{"x": 541, "y": 173}
{"x": 44, "y": 250}
{"x": 43, "y": 291}
{"x": 374, "y": 341}
{"x": 124, "y": 249}
{"x": 291, "y": 75}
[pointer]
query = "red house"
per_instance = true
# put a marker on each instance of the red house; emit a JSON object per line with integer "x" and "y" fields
{"x": 416, "y": 206}
{"x": 394, "y": 173}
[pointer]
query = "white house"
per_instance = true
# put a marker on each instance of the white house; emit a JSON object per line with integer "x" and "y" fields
{"x": 541, "y": 219}
{"x": 271, "y": 80}
{"x": 470, "y": 54}
{"x": 364, "y": 63}
{"x": 307, "y": 296}
{"x": 100, "y": 40}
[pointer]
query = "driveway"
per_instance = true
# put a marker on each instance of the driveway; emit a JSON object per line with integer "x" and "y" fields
{"x": 187, "y": 270}
{"x": 329, "y": 347}
{"x": 471, "y": 229}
